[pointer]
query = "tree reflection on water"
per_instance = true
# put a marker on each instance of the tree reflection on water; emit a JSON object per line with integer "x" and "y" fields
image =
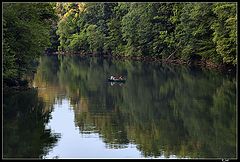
{"x": 163, "y": 110}
{"x": 24, "y": 120}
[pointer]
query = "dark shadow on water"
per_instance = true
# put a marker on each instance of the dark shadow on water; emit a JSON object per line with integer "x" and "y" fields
{"x": 24, "y": 120}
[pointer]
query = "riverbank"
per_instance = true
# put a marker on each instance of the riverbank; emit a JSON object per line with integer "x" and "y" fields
{"x": 200, "y": 63}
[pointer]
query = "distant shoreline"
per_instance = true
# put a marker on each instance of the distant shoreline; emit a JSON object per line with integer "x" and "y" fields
{"x": 204, "y": 64}
{"x": 20, "y": 84}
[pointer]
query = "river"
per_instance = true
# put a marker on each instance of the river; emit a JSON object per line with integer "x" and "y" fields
{"x": 161, "y": 111}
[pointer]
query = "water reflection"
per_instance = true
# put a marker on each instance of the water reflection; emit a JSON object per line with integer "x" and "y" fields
{"x": 162, "y": 111}
{"x": 24, "y": 120}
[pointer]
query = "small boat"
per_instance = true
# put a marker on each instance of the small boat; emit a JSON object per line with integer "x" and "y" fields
{"x": 117, "y": 80}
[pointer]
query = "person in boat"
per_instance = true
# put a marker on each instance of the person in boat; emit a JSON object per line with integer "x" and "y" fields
{"x": 112, "y": 77}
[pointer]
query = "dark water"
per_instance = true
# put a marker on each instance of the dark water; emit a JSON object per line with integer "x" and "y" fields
{"x": 160, "y": 112}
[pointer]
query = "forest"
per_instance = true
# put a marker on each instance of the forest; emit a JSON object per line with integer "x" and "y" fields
{"x": 206, "y": 32}
{"x": 59, "y": 55}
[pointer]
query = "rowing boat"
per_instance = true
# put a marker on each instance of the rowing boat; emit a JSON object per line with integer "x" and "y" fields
{"x": 117, "y": 80}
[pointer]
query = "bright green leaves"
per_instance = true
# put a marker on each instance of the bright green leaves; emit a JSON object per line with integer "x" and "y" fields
{"x": 225, "y": 33}
{"x": 95, "y": 38}
{"x": 146, "y": 27}
{"x": 206, "y": 31}
{"x": 79, "y": 42}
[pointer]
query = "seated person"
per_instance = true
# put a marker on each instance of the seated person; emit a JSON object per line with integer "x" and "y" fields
{"x": 112, "y": 77}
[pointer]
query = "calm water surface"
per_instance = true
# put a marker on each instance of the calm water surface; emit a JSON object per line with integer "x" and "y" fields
{"x": 160, "y": 112}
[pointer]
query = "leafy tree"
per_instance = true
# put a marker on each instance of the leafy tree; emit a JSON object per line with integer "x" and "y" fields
{"x": 225, "y": 31}
{"x": 193, "y": 32}
{"x": 26, "y": 29}
{"x": 95, "y": 38}
{"x": 136, "y": 28}
{"x": 186, "y": 31}
{"x": 67, "y": 24}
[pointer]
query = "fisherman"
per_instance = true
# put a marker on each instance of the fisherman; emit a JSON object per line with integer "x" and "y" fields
{"x": 112, "y": 77}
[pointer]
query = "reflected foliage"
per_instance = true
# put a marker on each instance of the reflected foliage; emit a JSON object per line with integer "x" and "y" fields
{"x": 24, "y": 120}
{"x": 163, "y": 110}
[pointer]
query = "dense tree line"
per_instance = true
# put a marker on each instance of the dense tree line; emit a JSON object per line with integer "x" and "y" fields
{"x": 26, "y": 34}
{"x": 206, "y": 31}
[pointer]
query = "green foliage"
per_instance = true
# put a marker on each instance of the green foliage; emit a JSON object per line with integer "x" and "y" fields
{"x": 26, "y": 29}
{"x": 95, "y": 38}
{"x": 79, "y": 42}
{"x": 225, "y": 31}
{"x": 193, "y": 32}
{"x": 67, "y": 25}
{"x": 9, "y": 61}
{"x": 136, "y": 28}
{"x": 205, "y": 31}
